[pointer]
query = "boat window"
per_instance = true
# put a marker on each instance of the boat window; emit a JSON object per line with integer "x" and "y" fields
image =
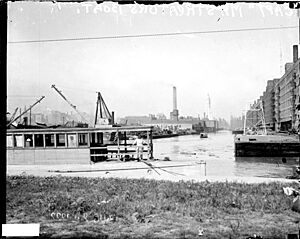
{"x": 28, "y": 138}
{"x": 60, "y": 140}
{"x": 38, "y": 140}
{"x": 82, "y": 139}
{"x": 72, "y": 140}
{"x": 107, "y": 137}
{"x": 49, "y": 138}
{"x": 96, "y": 139}
{"x": 9, "y": 141}
{"x": 18, "y": 141}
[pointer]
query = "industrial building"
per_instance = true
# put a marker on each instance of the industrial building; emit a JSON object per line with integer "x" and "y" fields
{"x": 287, "y": 92}
{"x": 281, "y": 98}
{"x": 268, "y": 98}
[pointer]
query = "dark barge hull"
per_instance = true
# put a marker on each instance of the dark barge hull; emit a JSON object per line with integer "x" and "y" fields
{"x": 164, "y": 136}
{"x": 237, "y": 131}
{"x": 267, "y": 149}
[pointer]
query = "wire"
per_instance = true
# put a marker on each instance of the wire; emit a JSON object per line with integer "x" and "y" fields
{"x": 151, "y": 35}
{"x": 67, "y": 88}
{"x": 23, "y": 96}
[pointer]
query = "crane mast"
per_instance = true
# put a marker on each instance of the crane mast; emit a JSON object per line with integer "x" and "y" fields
{"x": 73, "y": 106}
{"x": 103, "y": 111}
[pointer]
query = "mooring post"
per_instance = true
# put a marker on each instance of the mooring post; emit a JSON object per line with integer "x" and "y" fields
{"x": 118, "y": 140}
{"x": 151, "y": 144}
{"x": 148, "y": 146}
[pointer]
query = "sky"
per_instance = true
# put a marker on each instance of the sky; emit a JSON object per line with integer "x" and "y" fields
{"x": 135, "y": 75}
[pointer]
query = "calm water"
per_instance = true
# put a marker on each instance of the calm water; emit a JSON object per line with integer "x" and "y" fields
{"x": 218, "y": 152}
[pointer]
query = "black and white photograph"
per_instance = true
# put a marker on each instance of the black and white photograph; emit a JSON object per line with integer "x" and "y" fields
{"x": 152, "y": 120}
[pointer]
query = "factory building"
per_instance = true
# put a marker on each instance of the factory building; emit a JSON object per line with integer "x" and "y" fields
{"x": 281, "y": 98}
{"x": 268, "y": 100}
{"x": 287, "y": 93}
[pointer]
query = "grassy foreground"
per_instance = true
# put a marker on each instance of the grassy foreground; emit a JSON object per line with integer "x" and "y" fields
{"x": 138, "y": 208}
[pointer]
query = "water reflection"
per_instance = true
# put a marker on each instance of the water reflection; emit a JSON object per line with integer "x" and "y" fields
{"x": 218, "y": 152}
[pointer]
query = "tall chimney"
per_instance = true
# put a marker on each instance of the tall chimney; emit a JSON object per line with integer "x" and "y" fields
{"x": 112, "y": 117}
{"x": 174, "y": 98}
{"x": 295, "y": 53}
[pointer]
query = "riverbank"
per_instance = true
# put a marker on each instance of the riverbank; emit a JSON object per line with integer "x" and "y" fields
{"x": 197, "y": 171}
{"x": 68, "y": 207}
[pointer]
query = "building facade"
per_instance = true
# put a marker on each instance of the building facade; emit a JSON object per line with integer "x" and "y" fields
{"x": 268, "y": 100}
{"x": 287, "y": 91}
{"x": 281, "y": 98}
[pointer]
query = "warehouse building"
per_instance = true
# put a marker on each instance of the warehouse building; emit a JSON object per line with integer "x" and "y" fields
{"x": 281, "y": 98}
{"x": 287, "y": 96}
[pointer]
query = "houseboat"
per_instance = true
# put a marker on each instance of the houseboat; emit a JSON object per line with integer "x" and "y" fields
{"x": 75, "y": 145}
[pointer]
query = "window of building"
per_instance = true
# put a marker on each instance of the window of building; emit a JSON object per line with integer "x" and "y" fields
{"x": 28, "y": 138}
{"x": 9, "y": 141}
{"x": 72, "y": 140}
{"x": 49, "y": 140}
{"x": 60, "y": 140}
{"x": 82, "y": 139}
{"x": 38, "y": 140}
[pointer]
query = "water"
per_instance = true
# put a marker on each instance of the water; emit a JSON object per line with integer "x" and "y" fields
{"x": 218, "y": 152}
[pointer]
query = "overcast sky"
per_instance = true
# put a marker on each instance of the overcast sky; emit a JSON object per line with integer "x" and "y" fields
{"x": 136, "y": 75}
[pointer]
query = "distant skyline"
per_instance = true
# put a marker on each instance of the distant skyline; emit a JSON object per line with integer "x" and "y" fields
{"x": 135, "y": 75}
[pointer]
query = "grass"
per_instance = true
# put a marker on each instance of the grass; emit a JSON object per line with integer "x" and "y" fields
{"x": 140, "y": 208}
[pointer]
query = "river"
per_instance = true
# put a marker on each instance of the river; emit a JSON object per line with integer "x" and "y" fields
{"x": 218, "y": 152}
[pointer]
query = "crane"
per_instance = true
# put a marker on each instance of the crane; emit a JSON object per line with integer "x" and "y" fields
{"x": 13, "y": 115}
{"x": 103, "y": 111}
{"x": 73, "y": 106}
{"x": 30, "y": 107}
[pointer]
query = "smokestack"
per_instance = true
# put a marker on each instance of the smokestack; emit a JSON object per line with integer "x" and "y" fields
{"x": 295, "y": 53}
{"x": 174, "y": 98}
{"x": 112, "y": 117}
{"x": 25, "y": 120}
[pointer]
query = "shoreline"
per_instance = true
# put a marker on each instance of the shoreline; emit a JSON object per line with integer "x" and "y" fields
{"x": 160, "y": 170}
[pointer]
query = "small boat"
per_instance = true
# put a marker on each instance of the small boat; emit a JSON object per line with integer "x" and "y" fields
{"x": 203, "y": 135}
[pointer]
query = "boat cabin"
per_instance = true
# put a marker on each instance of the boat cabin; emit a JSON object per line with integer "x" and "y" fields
{"x": 75, "y": 145}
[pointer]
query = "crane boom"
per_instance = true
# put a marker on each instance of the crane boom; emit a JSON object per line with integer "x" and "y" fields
{"x": 73, "y": 106}
{"x": 13, "y": 115}
{"x": 30, "y": 107}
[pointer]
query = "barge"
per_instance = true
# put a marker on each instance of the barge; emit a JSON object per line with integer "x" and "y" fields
{"x": 266, "y": 146}
{"x": 256, "y": 142}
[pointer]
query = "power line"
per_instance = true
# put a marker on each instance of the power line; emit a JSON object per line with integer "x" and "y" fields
{"x": 151, "y": 35}
{"x": 22, "y": 96}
